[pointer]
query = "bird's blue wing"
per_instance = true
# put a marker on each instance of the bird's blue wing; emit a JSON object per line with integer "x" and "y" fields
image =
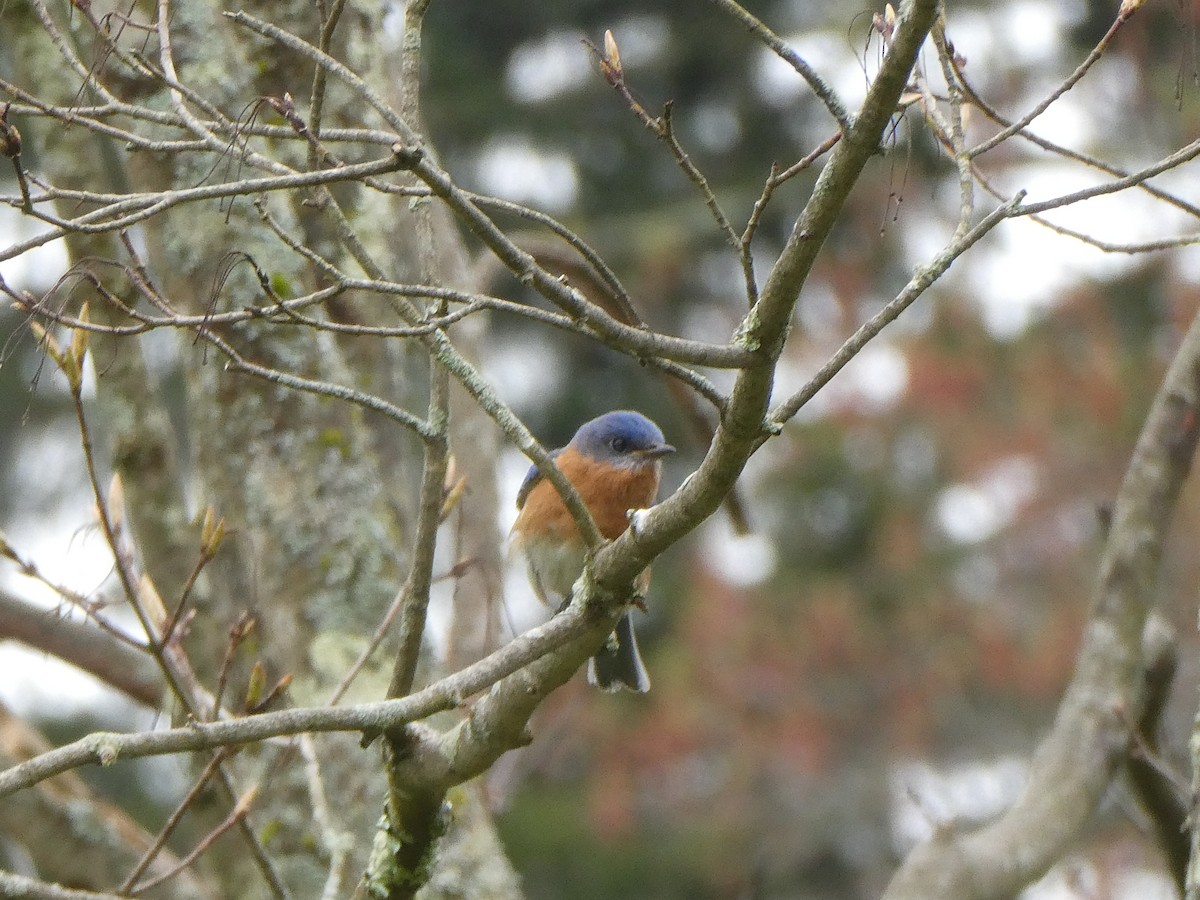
{"x": 532, "y": 477}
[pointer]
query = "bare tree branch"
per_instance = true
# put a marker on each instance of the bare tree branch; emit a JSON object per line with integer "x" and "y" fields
{"x": 920, "y": 282}
{"x": 371, "y": 718}
{"x": 777, "y": 46}
{"x": 83, "y": 645}
{"x": 1075, "y": 762}
{"x": 20, "y": 887}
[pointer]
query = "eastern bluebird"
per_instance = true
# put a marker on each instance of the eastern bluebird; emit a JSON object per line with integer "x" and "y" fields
{"x": 614, "y": 462}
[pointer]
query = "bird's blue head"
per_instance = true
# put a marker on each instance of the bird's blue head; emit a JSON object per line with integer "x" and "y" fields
{"x": 623, "y": 438}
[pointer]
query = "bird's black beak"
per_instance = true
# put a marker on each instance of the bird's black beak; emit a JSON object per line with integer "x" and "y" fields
{"x": 657, "y": 451}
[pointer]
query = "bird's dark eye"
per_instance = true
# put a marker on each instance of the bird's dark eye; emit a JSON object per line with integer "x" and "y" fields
{"x": 619, "y": 444}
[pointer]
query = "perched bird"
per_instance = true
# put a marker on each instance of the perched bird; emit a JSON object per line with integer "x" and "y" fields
{"x": 614, "y": 462}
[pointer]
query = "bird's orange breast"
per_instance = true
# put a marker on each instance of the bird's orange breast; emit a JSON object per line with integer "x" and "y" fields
{"x": 608, "y": 491}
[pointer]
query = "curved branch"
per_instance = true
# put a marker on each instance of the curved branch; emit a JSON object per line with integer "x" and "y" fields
{"x": 921, "y": 280}
{"x": 1076, "y": 761}
{"x": 1021, "y": 124}
{"x": 134, "y": 208}
{"x": 83, "y": 645}
{"x": 523, "y": 265}
{"x": 21, "y": 887}
{"x": 498, "y": 722}
{"x": 1176, "y": 159}
{"x": 106, "y": 748}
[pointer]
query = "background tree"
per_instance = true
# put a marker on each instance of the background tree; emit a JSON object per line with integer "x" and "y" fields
{"x": 333, "y": 364}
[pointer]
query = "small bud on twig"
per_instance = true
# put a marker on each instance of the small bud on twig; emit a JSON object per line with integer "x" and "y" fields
{"x": 610, "y": 59}
{"x": 453, "y": 489}
{"x": 1129, "y": 7}
{"x": 885, "y": 24}
{"x": 612, "y": 56}
{"x": 79, "y": 339}
{"x": 10, "y": 137}
{"x": 152, "y": 602}
{"x": 116, "y": 502}
{"x": 274, "y": 694}
{"x": 258, "y": 681}
{"x": 64, "y": 360}
{"x": 212, "y": 533}
{"x": 245, "y": 802}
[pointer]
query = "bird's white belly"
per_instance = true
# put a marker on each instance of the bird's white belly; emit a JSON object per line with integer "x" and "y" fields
{"x": 553, "y": 565}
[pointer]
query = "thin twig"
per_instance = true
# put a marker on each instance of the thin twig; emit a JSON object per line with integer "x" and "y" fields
{"x": 1058, "y": 149}
{"x": 1022, "y": 123}
{"x": 663, "y": 127}
{"x": 134, "y": 208}
{"x": 173, "y": 820}
{"x": 316, "y": 103}
{"x": 1178, "y": 158}
{"x": 364, "y": 90}
{"x": 954, "y": 133}
{"x": 777, "y": 46}
{"x": 446, "y": 693}
{"x": 336, "y": 840}
{"x": 14, "y": 885}
{"x": 924, "y": 277}
{"x": 525, "y": 267}
{"x": 431, "y": 494}
{"x": 1183, "y": 240}
{"x": 239, "y": 363}
{"x": 236, "y": 817}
